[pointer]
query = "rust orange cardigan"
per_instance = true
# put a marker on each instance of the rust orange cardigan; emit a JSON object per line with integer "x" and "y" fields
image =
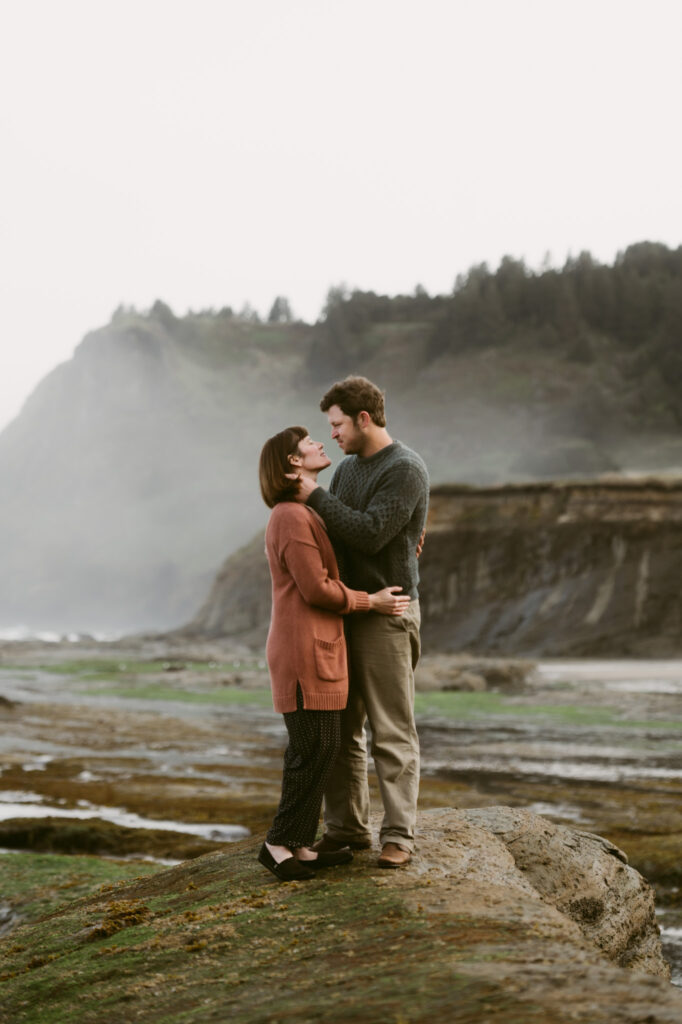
{"x": 306, "y": 643}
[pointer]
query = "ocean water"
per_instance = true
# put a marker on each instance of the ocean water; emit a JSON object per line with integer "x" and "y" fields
{"x": 10, "y": 634}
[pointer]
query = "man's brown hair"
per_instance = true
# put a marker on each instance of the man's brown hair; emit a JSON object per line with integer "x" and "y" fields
{"x": 354, "y": 395}
{"x": 274, "y": 465}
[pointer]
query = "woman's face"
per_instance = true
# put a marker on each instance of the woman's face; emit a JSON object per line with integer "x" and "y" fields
{"x": 311, "y": 456}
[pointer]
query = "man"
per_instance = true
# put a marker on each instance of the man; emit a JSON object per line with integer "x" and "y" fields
{"x": 375, "y": 513}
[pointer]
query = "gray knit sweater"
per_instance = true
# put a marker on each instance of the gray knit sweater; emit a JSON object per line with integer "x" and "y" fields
{"x": 375, "y": 511}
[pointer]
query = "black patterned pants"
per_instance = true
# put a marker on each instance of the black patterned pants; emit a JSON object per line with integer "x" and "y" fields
{"x": 314, "y": 739}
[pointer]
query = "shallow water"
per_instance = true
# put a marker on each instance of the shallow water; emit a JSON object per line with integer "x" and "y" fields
{"x": 20, "y": 633}
{"x": 507, "y": 745}
{"x": 640, "y": 670}
{"x": 30, "y": 805}
{"x": 586, "y": 771}
{"x": 670, "y": 923}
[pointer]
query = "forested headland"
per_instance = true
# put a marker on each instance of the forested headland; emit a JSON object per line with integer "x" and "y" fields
{"x": 632, "y": 308}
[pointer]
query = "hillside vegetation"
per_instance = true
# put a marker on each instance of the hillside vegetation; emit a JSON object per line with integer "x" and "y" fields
{"x": 131, "y": 472}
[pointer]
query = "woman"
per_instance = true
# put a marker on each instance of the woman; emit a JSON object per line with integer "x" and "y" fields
{"x": 306, "y": 650}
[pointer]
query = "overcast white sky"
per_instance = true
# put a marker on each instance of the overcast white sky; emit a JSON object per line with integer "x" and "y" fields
{"x": 213, "y": 152}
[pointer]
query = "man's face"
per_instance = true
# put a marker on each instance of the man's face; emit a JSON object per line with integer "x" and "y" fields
{"x": 345, "y": 432}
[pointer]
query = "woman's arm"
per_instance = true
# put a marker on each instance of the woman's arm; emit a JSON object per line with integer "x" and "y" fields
{"x": 304, "y": 562}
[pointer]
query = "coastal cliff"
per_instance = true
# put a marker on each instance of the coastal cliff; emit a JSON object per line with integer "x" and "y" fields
{"x": 547, "y": 568}
{"x": 573, "y": 568}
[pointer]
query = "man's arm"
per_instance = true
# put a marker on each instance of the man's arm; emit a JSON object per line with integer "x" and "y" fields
{"x": 388, "y": 512}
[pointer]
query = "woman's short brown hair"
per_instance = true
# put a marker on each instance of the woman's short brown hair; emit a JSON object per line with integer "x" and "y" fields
{"x": 274, "y": 465}
{"x": 355, "y": 395}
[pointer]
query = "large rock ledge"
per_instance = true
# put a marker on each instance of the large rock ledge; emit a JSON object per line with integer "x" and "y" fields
{"x": 500, "y": 917}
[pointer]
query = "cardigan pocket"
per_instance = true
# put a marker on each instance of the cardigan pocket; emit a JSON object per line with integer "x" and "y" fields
{"x": 330, "y": 658}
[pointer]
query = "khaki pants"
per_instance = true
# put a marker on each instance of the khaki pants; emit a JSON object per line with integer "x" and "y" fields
{"x": 383, "y": 653}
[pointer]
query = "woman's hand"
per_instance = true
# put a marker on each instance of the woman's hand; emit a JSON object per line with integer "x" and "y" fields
{"x": 389, "y": 602}
{"x": 420, "y": 543}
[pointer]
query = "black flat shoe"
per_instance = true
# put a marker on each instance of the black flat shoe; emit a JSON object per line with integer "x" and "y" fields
{"x": 328, "y": 845}
{"x": 330, "y": 859}
{"x": 289, "y": 870}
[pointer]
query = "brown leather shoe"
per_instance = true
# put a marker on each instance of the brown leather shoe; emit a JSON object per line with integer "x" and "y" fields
{"x": 393, "y": 855}
{"x": 328, "y": 845}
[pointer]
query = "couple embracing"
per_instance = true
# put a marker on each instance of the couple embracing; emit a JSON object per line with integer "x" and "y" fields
{"x": 344, "y": 557}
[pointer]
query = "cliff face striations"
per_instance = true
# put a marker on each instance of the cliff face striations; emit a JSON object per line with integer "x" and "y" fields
{"x": 554, "y": 569}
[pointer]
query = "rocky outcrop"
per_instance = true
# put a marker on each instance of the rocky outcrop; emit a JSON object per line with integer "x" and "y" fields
{"x": 582, "y": 876}
{"x": 239, "y": 601}
{"x": 500, "y": 916}
{"x": 565, "y": 568}
{"x": 576, "y": 911}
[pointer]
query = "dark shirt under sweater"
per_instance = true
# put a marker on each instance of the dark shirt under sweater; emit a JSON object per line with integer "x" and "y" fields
{"x": 375, "y": 511}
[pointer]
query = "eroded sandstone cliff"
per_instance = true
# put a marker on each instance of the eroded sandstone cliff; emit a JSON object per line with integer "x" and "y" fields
{"x": 571, "y": 568}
